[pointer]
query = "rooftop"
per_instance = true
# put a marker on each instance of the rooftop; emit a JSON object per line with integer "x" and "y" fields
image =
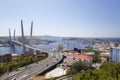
{"x": 79, "y": 55}
{"x": 116, "y": 47}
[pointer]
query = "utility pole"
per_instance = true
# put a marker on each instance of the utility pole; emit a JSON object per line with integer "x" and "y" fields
{"x": 23, "y": 45}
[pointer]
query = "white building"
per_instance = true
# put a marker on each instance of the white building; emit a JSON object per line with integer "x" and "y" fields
{"x": 105, "y": 54}
{"x": 115, "y": 54}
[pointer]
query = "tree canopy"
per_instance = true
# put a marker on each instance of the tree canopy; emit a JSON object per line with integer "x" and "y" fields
{"x": 108, "y": 71}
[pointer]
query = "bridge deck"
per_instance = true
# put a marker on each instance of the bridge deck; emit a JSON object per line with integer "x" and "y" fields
{"x": 28, "y": 46}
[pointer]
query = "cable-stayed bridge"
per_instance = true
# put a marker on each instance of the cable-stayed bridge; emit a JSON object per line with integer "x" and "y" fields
{"x": 25, "y": 73}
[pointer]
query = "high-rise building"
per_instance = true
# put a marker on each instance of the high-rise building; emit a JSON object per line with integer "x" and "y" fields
{"x": 115, "y": 54}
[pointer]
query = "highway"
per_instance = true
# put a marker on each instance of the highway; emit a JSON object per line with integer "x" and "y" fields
{"x": 31, "y": 70}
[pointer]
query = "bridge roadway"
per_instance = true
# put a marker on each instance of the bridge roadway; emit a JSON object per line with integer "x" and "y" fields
{"x": 31, "y": 70}
{"x": 28, "y": 46}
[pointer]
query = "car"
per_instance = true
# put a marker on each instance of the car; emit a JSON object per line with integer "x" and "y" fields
{"x": 17, "y": 69}
{"x": 36, "y": 62}
{"x": 47, "y": 65}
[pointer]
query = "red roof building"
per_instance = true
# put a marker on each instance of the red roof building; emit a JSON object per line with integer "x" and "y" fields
{"x": 79, "y": 56}
{"x": 73, "y": 57}
{"x": 37, "y": 56}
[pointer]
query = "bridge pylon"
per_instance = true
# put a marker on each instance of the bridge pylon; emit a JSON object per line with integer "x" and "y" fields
{"x": 31, "y": 31}
{"x": 12, "y": 46}
{"x": 23, "y": 38}
{"x": 14, "y": 34}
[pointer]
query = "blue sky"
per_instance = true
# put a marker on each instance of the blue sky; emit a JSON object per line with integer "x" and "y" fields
{"x": 76, "y": 18}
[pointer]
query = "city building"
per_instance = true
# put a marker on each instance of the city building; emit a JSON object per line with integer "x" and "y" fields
{"x": 105, "y": 54}
{"x": 115, "y": 54}
{"x": 74, "y": 57}
{"x": 36, "y": 56}
{"x": 39, "y": 55}
{"x": 14, "y": 56}
{"x": 5, "y": 58}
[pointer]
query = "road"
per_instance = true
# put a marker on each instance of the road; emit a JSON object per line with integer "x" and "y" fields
{"x": 31, "y": 70}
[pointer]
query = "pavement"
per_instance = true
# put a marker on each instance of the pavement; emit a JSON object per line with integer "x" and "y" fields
{"x": 55, "y": 73}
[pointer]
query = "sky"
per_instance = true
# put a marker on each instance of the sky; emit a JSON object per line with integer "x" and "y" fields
{"x": 67, "y": 18}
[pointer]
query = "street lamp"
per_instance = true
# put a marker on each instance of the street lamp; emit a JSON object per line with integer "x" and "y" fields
{"x": 63, "y": 70}
{"x": 70, "y": 75}
{"x": 7, "y": 75}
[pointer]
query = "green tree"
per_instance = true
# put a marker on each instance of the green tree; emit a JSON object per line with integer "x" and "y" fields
{"x": 96, "y": 57}
{"x": 108, "y": 71}
{"x": 77, "y": 67}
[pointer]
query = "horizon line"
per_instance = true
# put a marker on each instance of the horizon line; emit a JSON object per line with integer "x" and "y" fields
{"x": 64, "y": 36}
